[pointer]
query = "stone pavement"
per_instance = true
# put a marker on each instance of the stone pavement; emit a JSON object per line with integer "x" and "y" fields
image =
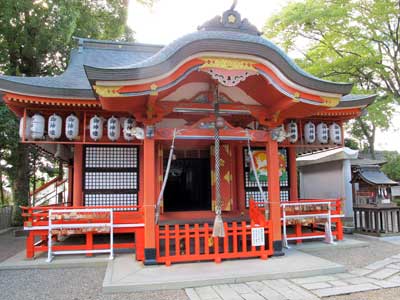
{"x": 124, "y": 274}
{"x": 379, "y": 275}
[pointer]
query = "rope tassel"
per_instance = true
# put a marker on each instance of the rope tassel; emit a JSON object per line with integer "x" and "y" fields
{"x": 218, "y": 229}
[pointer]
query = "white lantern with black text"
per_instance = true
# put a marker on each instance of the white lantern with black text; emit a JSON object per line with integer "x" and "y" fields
{"x": 335, "y": 133}
{"x": 309, "y": 132}
{"x": 27, "y": 128}
{"x": 54, "y": 126}
{"x": 96, "y": 128}
{"x": 71, "y": 127}
{"x": 113, "y": 128}
{"x": 292, "y": 132}
{"x": 37, "y": 127}
{"x": 322, "y": 133}
{"x": 128, "y": 125}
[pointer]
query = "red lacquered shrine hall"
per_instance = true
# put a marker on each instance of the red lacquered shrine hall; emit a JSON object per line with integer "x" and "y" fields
{"x": 188, "y": 149}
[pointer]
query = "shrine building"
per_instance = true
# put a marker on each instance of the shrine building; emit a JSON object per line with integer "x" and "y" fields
{"x": 188, "y": 150}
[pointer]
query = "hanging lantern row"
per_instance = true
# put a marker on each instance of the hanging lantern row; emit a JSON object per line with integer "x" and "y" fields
{"x": 130, "y": 131}
{"x": 322, "y": 133}
{"x": 35, "y": 128}
{"x": 292, "y": 132}
{"x": 35, "y": 125}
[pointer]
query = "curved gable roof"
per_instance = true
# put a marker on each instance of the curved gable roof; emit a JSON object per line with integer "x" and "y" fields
{"x": 217, "y": 41}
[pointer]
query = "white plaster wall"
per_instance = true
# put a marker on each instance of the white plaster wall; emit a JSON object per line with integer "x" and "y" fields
{"x": 348, "y": 192}
{"x": 328, "y": 180}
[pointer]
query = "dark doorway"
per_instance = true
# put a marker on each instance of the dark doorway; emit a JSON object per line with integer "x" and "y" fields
{"x": 189, "y": 185}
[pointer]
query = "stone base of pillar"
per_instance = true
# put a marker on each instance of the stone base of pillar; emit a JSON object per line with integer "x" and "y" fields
{"x": 278, "y": 246}
{"x": 150, "y": 256}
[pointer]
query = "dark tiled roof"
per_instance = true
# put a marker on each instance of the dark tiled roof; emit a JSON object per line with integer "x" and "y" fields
{"x": 222, "y": 41}
{"x": 73, "y": 82}
{"x": 353, "y": 100}
{"x": 373, "y": 175}
{"x": 367, "y": 162}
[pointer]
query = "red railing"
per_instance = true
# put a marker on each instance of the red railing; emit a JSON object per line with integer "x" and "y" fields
{"x": 53, "y": 192}
{"x": 194, "y": 242}
{"x": 309, "y": 227}
{"x": 128, "y": 219}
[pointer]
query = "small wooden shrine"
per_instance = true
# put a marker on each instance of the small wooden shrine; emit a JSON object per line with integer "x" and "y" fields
{"x": 236, "y": 110}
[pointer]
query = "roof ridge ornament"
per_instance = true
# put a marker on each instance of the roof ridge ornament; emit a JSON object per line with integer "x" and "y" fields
{"x": 230, "y": 21}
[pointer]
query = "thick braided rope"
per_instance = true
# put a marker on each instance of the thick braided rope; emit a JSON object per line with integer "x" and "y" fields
{"x": 218, "y": 202}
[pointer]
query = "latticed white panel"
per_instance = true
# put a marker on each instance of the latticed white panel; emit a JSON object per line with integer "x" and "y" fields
{"x": 256, "y": 196}
{"x": 110, "y": 180}
{"x": 111, "y": 176}
{"x": 111, "y": 157}
{"x": 111, "y": 200}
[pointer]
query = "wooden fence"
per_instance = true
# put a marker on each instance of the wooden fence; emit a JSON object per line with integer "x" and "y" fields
{"x": 377, "y": 220}
{"x": 194, "y": 242}
{"x": 5, "y": 217}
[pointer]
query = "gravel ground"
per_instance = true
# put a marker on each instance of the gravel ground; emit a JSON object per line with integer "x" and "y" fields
{"x": 353, "y": 258}
{"x": 85, "y": 283}
{"x": 68, "y": 284}
{"x": 10, "y": 245}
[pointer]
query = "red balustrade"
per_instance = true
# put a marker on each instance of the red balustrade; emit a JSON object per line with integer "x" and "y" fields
{"x": 127, "y": 219}
{"x": 336, "y": 213}
{"x": 194, "y": 242}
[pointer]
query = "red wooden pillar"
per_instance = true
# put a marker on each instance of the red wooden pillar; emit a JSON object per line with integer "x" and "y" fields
{"x": 293, "y": 192}
{"x": 241, "y": 194}
{"x": 274, "y": 195}
{"x": 149, "y": 195}
{"x": 78, "y": 173}
{"x": 30, "y": 245}
{"x": 70, "y": 184}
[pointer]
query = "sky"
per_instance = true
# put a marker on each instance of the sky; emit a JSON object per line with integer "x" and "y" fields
{"x": 168, "y": 20}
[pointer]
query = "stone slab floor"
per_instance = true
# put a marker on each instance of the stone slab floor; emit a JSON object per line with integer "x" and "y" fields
{"x": 379, "y": 275}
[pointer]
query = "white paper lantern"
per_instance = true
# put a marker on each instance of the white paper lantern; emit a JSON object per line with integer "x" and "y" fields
{"x": 322, "y": 133}
{"x": 128, "y": 125}
{"x": 54, "y": 126}
{"x": 113, "y": 128}
{"x": 292, "y": 132}
{"x": 28, "y": 125}
{"x": 309, "y": 132}
{"x": 96, "y": 128}
{"x": 37, "y": 127}
{"x": 335, "y": 133}
{"x": 71, "y": 127}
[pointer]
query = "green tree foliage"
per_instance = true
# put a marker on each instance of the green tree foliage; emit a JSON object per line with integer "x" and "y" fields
{"x": 356, "y": 41}
{"x": 392, "y": 167}
{"x": 35, "y": 40}
{"x": 351, "y": 143}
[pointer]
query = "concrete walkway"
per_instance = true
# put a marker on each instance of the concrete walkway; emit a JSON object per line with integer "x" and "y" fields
{"x": 19, "y": 262}
{"x": 379, "y": 275}
{"x": 124, "y": 274}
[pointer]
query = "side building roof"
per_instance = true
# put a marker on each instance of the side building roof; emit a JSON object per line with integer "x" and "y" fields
{"x": 73, "y": 83}
{"x": 373, "y": 175}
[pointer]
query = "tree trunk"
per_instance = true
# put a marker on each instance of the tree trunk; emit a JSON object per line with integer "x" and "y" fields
{"x": 2, "y": 200}
{"x": 371, "y": 141}
{"x": 369, "y": 133}
{"x": 20, "y": 184}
